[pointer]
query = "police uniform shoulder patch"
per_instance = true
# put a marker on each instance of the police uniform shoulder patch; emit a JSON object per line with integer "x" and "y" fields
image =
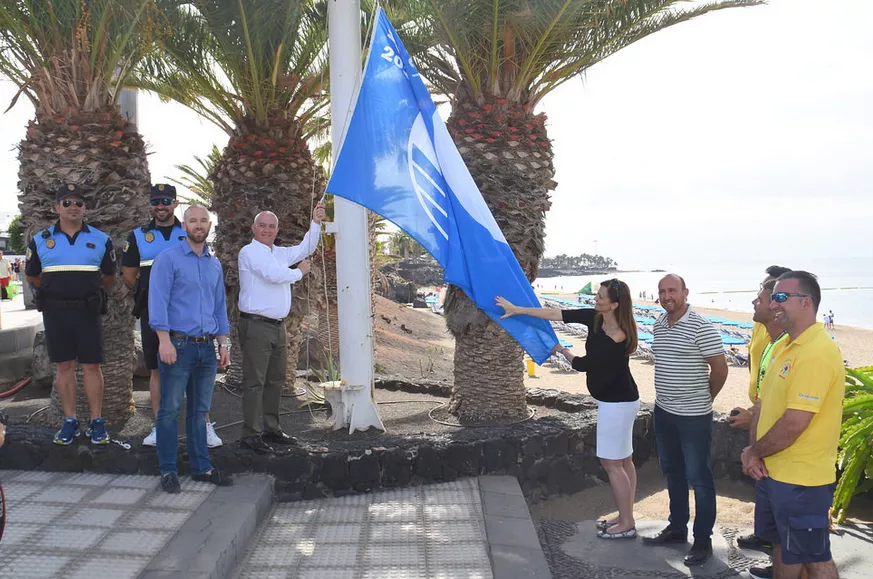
{"x": 28, "y": 255}
{"x": 149, "y": 237}
{"x": 90, "y": 245}
{"x": 50, "y": 243}
{"x": 126, "y": 246}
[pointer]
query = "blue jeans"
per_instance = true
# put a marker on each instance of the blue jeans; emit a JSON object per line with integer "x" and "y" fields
{"x": 684, "y": 454}
{"x": 193, "y": 375}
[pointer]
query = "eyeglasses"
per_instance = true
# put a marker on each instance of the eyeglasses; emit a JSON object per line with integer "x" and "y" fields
{"x": 78, "y": 202}
{"x": 782, "y": 297}
{"x": 165, "y": 202}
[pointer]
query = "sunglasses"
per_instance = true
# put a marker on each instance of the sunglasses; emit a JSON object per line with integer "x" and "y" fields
{"x": 78, "y": 202}
{"x": 165, "y": 202}
{"x": 782, "y": 297}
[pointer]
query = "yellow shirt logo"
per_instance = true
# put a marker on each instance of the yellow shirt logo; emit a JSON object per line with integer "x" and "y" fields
{"x": 783, "y": 373}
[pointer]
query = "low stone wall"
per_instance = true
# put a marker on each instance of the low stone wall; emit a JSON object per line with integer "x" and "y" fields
{"x": 16, "y": 353}
{"x": 550, "y": 456}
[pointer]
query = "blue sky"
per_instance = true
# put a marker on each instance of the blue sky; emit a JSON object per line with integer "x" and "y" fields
{"x": 743, "y": 132}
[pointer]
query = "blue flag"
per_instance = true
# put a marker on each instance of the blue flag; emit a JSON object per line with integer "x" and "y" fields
{"x": 398, "y": 160}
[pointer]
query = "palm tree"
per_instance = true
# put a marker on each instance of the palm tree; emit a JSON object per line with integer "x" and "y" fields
{"x": 196, "y": 178}
{"x": 257, "y": 69}
{"x": 70, "y": 58}
{"x": 496, "y": 60}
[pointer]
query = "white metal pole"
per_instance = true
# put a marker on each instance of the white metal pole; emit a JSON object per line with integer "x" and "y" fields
{"x": 352, "y": 239}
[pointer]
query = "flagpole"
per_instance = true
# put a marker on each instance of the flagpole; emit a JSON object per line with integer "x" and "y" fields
{"x": 352, "y": 398}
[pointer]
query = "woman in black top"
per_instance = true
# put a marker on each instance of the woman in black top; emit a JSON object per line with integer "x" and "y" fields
{"x": 612, "y": 338}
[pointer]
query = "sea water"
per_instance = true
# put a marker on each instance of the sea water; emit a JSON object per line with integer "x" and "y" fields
{"x": 847, "y": 285}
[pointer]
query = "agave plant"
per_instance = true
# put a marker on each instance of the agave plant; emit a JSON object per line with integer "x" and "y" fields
{"x": 855, "y": 459}
{"x": 70, "y": 59}
{"x": 496, "y": 60}
{"x": 257, "y": 69}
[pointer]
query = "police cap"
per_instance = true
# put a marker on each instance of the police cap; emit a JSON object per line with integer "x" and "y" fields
{"x": 68, "y": 190}
{"x": 163, "y": 191}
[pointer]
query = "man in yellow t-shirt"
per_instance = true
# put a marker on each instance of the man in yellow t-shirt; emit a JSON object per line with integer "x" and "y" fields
{"x": 767, "y": 337}
{"x": 796, "y": 429}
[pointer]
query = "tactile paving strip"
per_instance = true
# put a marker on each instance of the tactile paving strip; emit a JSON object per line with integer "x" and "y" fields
{"x": 428, "y": 532}
{"x": 87, "y": 525}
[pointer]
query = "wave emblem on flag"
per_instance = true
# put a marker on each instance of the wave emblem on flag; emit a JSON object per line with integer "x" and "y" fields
{"x": 425, "y": 175}
{"x": 398, "y": 160}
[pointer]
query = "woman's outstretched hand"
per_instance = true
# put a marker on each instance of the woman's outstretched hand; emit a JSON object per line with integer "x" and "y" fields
{"x": 565, "y": 352}
{"x": 510, "y": 308}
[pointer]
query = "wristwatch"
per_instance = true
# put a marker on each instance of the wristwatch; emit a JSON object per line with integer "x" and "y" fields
{"x": 225, "y": 345}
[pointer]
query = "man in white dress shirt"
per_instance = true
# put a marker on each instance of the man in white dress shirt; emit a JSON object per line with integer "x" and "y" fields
{"x": 265, "y": 280}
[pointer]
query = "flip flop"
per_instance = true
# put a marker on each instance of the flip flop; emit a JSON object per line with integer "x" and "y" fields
{"x": 629, "y": 534}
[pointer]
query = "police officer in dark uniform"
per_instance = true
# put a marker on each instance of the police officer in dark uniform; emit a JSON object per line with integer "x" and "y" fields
{"x": 142, "y": 246}
{"x": 71, "y": 264}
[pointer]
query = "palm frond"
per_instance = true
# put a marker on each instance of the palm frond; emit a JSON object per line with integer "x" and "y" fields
{"x": 70, "y": 55}
{"x": 523, "y": 49}
{"x": 196, "y": 178}
{"x": 231, "y": 60}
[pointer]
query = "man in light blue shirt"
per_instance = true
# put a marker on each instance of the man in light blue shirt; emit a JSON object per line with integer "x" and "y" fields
{"x": 188, "y": 311}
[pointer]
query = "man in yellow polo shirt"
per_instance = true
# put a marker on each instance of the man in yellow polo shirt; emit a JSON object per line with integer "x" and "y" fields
{"x": 796, "y": 429}
{"x": 765, "y": 335}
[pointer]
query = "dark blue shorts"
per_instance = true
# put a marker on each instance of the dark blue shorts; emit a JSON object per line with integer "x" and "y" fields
{"x": 795, "y": 517}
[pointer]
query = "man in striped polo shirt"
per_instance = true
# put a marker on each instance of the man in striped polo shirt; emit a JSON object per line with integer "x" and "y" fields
{"x": 690, "y": 370}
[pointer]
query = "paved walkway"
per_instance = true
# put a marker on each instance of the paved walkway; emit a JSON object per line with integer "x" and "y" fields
{"x": 435, "y": 531}
{"x": 103, "y": 526}
{"x": 575, "y": 552}
{"x": 89, "y": 526}
{"x": 13, "y": 314}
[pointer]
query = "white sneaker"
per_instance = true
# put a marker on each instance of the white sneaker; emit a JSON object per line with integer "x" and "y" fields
{"x": 212, "y": 440}
{"x": 151, "y": 439}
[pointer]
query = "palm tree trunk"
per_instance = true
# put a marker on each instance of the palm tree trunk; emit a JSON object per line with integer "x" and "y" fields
{"x": 509, "y": 156}
{"x": 265, "y": 169}
{"x": 106, "y": 156}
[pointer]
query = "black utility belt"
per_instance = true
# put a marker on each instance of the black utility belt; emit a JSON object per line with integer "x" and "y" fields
{"x": 249, "y": 316}
{"x": 195, "y": 339}
{"x": 80, "y": 304}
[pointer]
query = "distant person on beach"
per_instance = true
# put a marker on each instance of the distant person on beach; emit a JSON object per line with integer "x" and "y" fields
{"x": 831, "y": 319}
{"x": 794, "y": 435}
{"x": 768, "y": 336}
{"x": 5, "y": 277}
{"x": 612, "y": 338}
{"x": 690, "y": 371}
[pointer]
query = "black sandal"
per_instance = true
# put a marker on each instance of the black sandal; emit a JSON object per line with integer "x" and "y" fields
{"x": 215, "y": 477}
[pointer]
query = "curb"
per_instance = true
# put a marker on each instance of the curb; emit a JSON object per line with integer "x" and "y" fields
{"x": 513, "y": 543}
{"x": 214, "y": 539}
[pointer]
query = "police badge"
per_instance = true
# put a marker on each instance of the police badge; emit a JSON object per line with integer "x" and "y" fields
{"x": 149, "y": 237}
{"x": 50, "y": 243}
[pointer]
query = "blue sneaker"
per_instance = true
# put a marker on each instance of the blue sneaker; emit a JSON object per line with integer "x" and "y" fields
{"x": 68, "y": 432}
{"x": 97, "y": 432}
